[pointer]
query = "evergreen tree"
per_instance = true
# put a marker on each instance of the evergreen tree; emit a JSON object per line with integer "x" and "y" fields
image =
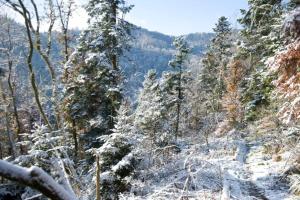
{"x": 92, "y": 75}
{"x": 178, "y": 64}
{"x": 116, "y": 159}
{"x": 222, "y": 41}
{"x": 50, "y": 151}
{"x": 112, "y": 34}
{"x": 151, "y": 110}
{"x": 261, "y": 28}
{"x": 215, "y": 61}
{"x": 260, "y": 39}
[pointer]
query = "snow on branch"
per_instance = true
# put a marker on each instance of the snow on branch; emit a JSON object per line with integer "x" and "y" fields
{"x": 35, "y": 178}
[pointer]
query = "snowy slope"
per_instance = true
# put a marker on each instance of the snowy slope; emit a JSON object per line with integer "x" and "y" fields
{"x": 231, "y": 169}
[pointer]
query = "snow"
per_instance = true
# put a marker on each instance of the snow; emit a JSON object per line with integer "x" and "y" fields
{"x": 126, "y": 161}
{"x": 36, "y": 178}
{"x": 232, "y": 169}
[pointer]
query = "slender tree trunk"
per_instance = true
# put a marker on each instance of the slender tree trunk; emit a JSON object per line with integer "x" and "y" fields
{"x": 12, "y": 145}
{"x": 11, "y": 86}
{"x": 178, "y": 104}
{"x": 177, "y": 121}
{"x": 51, "y": 24}
{"x": 98, "y": 171}
{"x": 30, "y": 67}
{"x": 64, "y": 15}
{"x": 10, "y": 137}
{"x": 114, "y": 62}
{"x": 74, "y": 134}
{"x": 15, "y": 109}
{"x": 66, "y": 44}
{"x": 52, "y": 74}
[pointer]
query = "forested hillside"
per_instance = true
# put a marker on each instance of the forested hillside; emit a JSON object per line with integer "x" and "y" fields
{"x": 152, "y": 50}
{"x": 148, "y": 50}
{"x": 115, "y": 111}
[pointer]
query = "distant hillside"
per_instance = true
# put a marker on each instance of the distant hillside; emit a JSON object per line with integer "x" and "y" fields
{"x": 150, "y": 50}
{"x": 153, "y": 50}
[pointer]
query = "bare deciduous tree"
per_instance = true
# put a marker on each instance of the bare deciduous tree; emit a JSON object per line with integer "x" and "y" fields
{"x": 32, "y": 20}
{"x": 10, "y": 38}
{"x": 64, "y": 14}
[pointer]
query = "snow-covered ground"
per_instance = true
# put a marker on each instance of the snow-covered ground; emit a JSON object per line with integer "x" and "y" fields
{"x": 231, "y": 169}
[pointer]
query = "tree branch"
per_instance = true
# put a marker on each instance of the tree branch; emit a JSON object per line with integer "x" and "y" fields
{"x": 35, "y": 178}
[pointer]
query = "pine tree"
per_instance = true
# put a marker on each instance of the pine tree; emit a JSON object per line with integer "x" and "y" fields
{"x": 261, "y": 28}
{"x": 114, "y": 34}
{"x": 260, "y": 39}
{"x": 178, "y": 64}
{"x": 150, "y": 112}
{"x": 116, "y": 159}
{"x": 221, "y": 43}
{"x": 92, "y": 75}
{"x": 215, "y": 61}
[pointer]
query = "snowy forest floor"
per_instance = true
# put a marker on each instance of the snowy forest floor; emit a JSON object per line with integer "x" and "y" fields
{"x": 231, "y": 167}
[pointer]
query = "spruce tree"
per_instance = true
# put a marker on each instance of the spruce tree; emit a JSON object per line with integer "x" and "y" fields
{"x": 151, "y": 109}
{"x": 116, "y": 158}
{"x": 92, "y": 75}
{"x": 214, "y": 63}
{"x": 260, "y": 39}
{"x": 261, "y": 28}
{"x": 177, "y": 63}
{"x": 107, "y": 26}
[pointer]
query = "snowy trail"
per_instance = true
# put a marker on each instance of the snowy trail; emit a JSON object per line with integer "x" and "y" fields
{"x": 252, "y": 177}
{"x": 237, "y": 182}
{"x": 230, "y": 170}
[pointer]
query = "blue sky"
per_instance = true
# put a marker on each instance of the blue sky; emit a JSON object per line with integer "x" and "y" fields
{"x": 172, "y": 17}
{"x": 176, "y": 17}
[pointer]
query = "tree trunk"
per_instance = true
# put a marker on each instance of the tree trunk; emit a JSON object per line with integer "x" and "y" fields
{"x": 74, "y": 134}
{"x": 66, "y": 45}
{"x": 46, "y": 58}
{"x": 10, "y": 137}
{"x": 114, "y": 62}
{"x": 98, "y": 171}
{"x": 30, "y": 67}
{"x": 114, "y": 23}
{"x": 15, "y": 109}
{"x": 178, "y": 104}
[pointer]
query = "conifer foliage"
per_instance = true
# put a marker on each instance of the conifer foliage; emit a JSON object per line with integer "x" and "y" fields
{"x": 92, "y": 75}
{"x": 116, "y": 158}
{"x": 178, "y": 64}
{"x": 261, "y": 37}
{"x": 150, "y": 115}
{"x": 215, "y": 62}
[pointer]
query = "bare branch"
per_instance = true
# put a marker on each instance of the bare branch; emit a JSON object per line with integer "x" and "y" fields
{"x": 35, "y": 178}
